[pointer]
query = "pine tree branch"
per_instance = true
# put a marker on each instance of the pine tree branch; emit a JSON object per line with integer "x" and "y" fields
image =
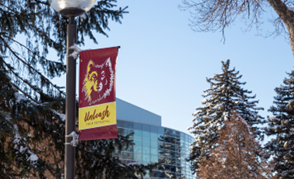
{"x": 12, "y": 10}
{"x": 29, "y": 49}
{"x": 29, "y": 66}
{"x": 27, "y": 95}
{"x": 17, "y": 13}
{"x": 36, "y": 89}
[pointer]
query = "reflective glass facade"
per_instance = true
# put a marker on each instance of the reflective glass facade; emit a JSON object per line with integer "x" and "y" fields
{"x": 157, "y": 144}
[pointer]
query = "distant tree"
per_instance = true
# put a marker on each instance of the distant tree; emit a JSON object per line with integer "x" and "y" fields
{"x": 281, "y": 129}
{"x": 213, "y": 15}
{"x": 32, "y": 107}
{"x": 235, "y": 155}
{"x": 224, "y": 95}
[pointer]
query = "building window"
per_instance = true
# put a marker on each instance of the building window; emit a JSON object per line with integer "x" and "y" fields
{"x": 138, "y": 142}
{"x": 146, "y": 135}
{"x": 137, "y": 126}
{"x": 154, "y": 136}
{"x": 146, "y": 150}
{"x": 154, "y": 129}
{"x": 146, "y": 127}
{"x": 138, "y": 157}
{"x": 146, "y": 143}
{"x": 137, "y": 134}
{"x": 146, "y": 158}
{"x": 154, "y": 144}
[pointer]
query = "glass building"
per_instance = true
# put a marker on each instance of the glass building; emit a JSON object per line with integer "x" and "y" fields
{"x": 153, "y": 143}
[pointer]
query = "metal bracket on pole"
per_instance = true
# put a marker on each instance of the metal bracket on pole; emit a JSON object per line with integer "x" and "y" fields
{"x": 75, "y": 54}
{"x": 75, "y": 139}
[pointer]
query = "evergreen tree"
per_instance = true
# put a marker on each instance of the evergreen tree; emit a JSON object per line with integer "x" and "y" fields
{"x": 234, "y": 156}
{"x": 281, "y": 128}
{"x": 224, "y": 95}
{"x": 32, "y": 107}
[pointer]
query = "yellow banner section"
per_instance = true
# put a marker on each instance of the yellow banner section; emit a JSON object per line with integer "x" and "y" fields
{"x": 97, "y": 116}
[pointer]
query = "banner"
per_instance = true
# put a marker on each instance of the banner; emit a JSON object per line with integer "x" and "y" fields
{"x": 97, "y": 100}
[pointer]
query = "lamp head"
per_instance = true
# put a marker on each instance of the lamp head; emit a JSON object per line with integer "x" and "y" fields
{"x": 70, "y": 8}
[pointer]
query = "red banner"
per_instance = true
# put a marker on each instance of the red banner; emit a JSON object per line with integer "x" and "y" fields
{"x": 97, "y": 100}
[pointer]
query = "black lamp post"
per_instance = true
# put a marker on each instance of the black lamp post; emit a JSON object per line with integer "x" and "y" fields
{"x": 71, "y": 9}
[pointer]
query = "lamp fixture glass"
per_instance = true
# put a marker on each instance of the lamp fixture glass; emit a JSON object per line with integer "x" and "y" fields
{"x": 72, "y": 7}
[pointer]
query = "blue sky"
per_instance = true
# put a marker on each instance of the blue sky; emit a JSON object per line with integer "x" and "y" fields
{"x": 162, "y": 65}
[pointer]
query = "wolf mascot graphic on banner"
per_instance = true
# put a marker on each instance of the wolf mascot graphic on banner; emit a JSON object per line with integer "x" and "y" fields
{"x": 99, "y": 79}
{"x": 97, "y": 100}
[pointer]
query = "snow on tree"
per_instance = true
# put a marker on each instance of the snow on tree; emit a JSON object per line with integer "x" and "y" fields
{"x": 224, "y": 95}
{"x": 280, "y": 127}
{"x": 32, "y": 107}
{"x": 234, "y": 156}
{"x": 30, "y": 130}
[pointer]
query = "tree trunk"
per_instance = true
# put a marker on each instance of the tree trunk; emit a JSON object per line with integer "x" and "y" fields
{"x": 287, "y": 16}
{"x": 290, "y": 28}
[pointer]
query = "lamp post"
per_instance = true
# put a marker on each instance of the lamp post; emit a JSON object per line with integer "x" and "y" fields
{"x": 70, "y": 9}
